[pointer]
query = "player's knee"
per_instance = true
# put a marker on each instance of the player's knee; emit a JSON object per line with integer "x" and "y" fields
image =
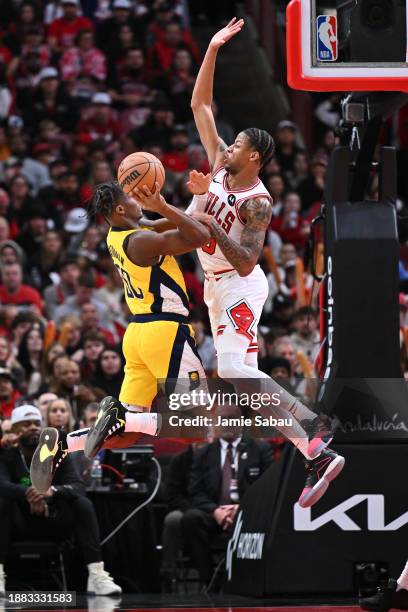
{"x": 228, "y": 366}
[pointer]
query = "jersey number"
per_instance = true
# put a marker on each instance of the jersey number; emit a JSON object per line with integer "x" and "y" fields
{"x": 210, "y": 247}
{"x": 131, "y": 292}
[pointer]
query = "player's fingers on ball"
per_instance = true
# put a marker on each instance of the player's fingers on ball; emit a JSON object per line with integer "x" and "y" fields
{"x": 156, "y": 187}
{"x": 146, "y": 190}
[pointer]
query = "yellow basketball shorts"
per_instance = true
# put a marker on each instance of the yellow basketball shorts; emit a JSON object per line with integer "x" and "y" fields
{"x": 157, "y": 352}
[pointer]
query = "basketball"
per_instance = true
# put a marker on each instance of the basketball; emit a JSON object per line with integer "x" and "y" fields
{"x": 138, "y": 169}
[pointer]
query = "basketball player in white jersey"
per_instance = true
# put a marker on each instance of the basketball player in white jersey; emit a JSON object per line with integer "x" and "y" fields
{"x": 237, "y": 211}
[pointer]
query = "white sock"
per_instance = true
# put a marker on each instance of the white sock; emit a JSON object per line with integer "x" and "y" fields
{"x": 144, "y": 422}
{"x": 95, "y": 566}
{"x": 76, "y": 440}
{"x": 402, "y": 582}
{"x": 1, "y": 568}
{"x": 133, "y": 407}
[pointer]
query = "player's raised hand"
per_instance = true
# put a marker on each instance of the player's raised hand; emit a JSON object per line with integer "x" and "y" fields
{"x": 198, "y": 182}
{"x": 149, "y": 200}
{"x": 222, "y": 36}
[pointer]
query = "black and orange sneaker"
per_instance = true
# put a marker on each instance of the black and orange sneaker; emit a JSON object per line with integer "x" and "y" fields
{"x": 385, "y": 598}
{"x": 320, "y": 472}
{"x": 50, "y": 453}
{"x": 110, "y": 421}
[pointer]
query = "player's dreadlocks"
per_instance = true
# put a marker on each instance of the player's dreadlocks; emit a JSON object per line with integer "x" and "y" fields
{"x": 104, "y": 200}
{"x": 262, "y": 142}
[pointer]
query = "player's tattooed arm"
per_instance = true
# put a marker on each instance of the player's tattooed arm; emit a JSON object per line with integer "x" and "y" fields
{"x": 243, "y": 257}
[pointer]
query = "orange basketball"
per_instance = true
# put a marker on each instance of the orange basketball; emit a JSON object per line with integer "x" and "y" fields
{"x": 138, "y": 169}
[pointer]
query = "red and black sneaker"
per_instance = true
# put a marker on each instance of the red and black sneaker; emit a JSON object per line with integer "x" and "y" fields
{"x": 386, "y": 598}
{"x": 320, "y": 472}
{"x": 320, "y": 431}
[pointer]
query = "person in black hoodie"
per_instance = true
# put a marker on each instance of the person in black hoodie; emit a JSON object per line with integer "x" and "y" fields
{"x": 109, "y": 371}
{"x": 63, "y": 509}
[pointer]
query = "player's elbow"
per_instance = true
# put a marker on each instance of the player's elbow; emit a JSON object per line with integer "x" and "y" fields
{"x": 246, "y": 267}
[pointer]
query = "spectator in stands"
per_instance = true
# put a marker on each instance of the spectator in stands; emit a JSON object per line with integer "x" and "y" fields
{"x": 59, "y": 415}
{"x": 13, "y": 291}
{"x": 276, "y": 187}
{"x": 158, "y": 127}
{"x": 161, "y": 55}
{"x": 110, "y": 294}
{"x": 63, "y": 196}
{"x": 8, "y": 361}
{"x": 31, "y": 238}
{"x": 30, "y": 356}
{"x": 83, "y": 59}
{"x": 176, "y": 159}
{"x": 311, "y": 188}
{"x": 20, "y": 200}
{"x": 45, "y": 264}
{"x": 28, "y": 17}
{"x": 67, "y": 384}
{"x": 51, "y": 352}
{"x": 9, "y": 393}
{"x": 62, "y": 31}
{"x": 286, "y": 146}
{"x": 205, "y": 344}
{"x": 290, "y": 226}
{"x": 63, "y": 509}
{"x": 299, "y": 173}
{"x": 109, "y": 372}
{"x": 91, "y": 322}
{"x": 21, "y": 323}
{"x": 56, "y": 294}
{"x": 101, "y": 125}
{"x": 214, "y": 466}
{"x": 50, "y": 101}
{"x": 84, "y": 293}
{"x": 306, "y": 337}
{"x": 178, "y": 502}
{"x": 93, "y": 344}
{"x": 43, "y": 401}
{"x": 180, "y": 83}
{"x": 109, "y": 29}
{"x": 11, "y": 252}
{"x": 4, "y": 229}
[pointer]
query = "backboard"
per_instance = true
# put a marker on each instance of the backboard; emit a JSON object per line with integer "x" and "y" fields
{"x": 347, "y": 45}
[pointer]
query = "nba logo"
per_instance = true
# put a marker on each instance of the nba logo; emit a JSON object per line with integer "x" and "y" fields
{"x": 326, "y": 32}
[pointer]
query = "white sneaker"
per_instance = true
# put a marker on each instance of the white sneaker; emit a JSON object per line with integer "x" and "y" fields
{"x": 2, "y": 583}
{"x": 100, "y": 582}
{"x": 102, "y": 604}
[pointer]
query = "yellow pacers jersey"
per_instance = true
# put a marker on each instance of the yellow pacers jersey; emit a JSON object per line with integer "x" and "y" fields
{"x": 148, "y": 290}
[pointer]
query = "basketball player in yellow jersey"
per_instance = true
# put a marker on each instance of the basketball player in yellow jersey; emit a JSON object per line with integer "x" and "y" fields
{"x": 158, "y": 344}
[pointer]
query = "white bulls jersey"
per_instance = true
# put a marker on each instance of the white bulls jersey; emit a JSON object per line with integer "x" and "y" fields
{"x": 224, "y": 204}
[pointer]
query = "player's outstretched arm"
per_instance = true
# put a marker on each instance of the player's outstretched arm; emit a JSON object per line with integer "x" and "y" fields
{"x": 203, "y": 94}
{"x": 144, "y": 247}
{"x": 243, "y": 257}
{"x": 198, "y": 184}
